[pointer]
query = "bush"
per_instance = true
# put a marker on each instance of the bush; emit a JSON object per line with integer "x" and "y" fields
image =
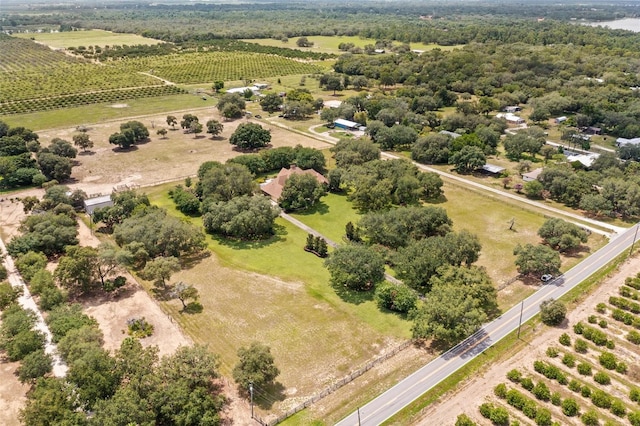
{"x": 527, "y": 383}
{"x": 530, "y": 409}
{"x": 569, "y": 360}
{"x": 514, "y": 375}
{"x": 601, "y": 308}
{"x": 634, "y": 394}
{"x": 608, "y": 360}
{"x": 592, "y": 319}
{"x": 8, "y": 294}
{"x": 602, "y": 378}
{"x": 570, "y": 407}
{"x": 499, "y": 416}
{"x": 578, "y": 328}
{"x": 575, "y": 385}
{"x": 500, "y": 390}
{"x": 565, "y": 340}
{"x": 585, "y": 391}
{"x": 618, "y": 408}
{"x": 552, "y": 352}
{"x": 584, "y": 369}
{"x": 399, "y": 298}
{"x": 603, "y": 323}
{"x": 139, "y": 327}
{"x": 542, "y": 392}
{"x": 580, "y": 346}
{"x": 601, "y": 399}
{"x": 464, "y": 420}
{"x": 552, "y": 312}
{"x": 34, "y": 365}
{"x": 621, "y": 368}
{"x": 486, "y": 409}
{"x": 634, "y": 418}
{"x": 610, "y": 344}
{"x": 543, "y": 417}
{"x": 556, "y": 399}
{"x": 22, "y": 344}
{"x": 634, "y": 337}
{"x": 590, "y": 418}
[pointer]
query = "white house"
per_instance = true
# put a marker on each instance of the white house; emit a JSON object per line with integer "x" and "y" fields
{"x": 625, "y": 141}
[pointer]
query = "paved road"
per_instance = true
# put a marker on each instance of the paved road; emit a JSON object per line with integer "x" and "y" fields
{"x": 409, "y": 389}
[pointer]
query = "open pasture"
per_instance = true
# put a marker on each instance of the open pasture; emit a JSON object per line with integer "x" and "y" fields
{"x": 207, "y": 67}
{"x": 86, "y": 38}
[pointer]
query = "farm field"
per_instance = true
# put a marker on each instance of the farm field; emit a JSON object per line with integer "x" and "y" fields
{"x": 86, "y": 38}
{"x": 329, "y": 44}
{"x": 592, "y": 361}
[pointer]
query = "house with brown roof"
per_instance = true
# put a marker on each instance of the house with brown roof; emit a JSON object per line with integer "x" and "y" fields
{"x": 273, "y": 188}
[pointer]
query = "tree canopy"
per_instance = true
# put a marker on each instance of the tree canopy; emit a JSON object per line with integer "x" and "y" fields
{"x": 249, "y": 136}
{"x": 256, "y": 366}
{"x": 301, "y": 191}
{"x": 355, "y": 267}
{"x": 244, "y": 217}
{"x": 536, "y": 260}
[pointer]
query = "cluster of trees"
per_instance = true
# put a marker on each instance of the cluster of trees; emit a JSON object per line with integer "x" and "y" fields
{"x": 274, "y": 159}
{"x": 130, "y": 133}
{"x": 231, "y": 105}
{"x": 250, "y": 136}
{"x": 316, "y": 245}
{"x": 23, "y": 162}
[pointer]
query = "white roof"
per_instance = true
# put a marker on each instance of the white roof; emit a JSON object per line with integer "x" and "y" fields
{"x": 584, "y": 159}
{"x": 243, "y": 89}
{"x": 346, "y": 123}
{"x": 625, "y": 141}
{"x": 332, "y": 104}
{"x": 448, "y": 133}
{"x": 91, "y": 204}
{"x": 492, "y": 168}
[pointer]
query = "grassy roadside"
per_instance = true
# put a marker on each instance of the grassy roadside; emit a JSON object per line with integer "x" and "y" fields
{"x": 503, "y": 350}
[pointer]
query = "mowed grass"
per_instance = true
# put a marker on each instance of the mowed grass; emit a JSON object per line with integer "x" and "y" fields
{"x": 330, "y": 216}
{"x": 87, "y": 38}
{"x": 276, "y": 293}
{"x": 102, "y": 112}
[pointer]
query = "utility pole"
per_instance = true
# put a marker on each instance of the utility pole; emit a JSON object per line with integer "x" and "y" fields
{"x": 358, "y": 416}
{"x": 251, "y": 393}
{"x": 634, "y": 240}
{"x": 520, "y": 322}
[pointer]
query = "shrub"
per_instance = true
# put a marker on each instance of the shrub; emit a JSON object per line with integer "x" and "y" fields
{"x": 602, "y": 378}
{"x": 592, "y": 319}
{"x": 584, "y": 369}
{"x": 570, "y": 407}
{"x": 500, "y": 390}
{"x": 552, "y": 352}
{"x": 514, "y": 375}
{"x": 34, "y": 365}
{"x": 621, "y": 368}
{"x": 610, "y": 344}
{"x": 464, "y": 420}
{"x": 601, "y": 308}
{"x": 601, "y": 399}
{"x": 562, "y": 379}
{"x": 530, "y": 409}
{"x": 578, "y": 328}
{"x": 569, "y": 360}
{"x": 556, "y": 399}
{"x": 499, "y": 416}
{"x": 139, "y": 327}
{"x": 634, "y": 394}
{"x": 618, "y": 408}
{"x": 590, "y": 418}
{"x": 580, "y": 346}
{"x": 585, "y": 391}
{"x": 634, "y": 418}
{"x": 543, "y": 417}
{"x": 603, "y": 323}
{"x": 608, "y": 360}
{"x": 486, "y": 409}
{"x": 542, "y": 392}
{"x": 565, "y": 340}
{"x": 634, "y": 337}
{"x": 516, "y": 399}
{"x": 552, "y": 312}
{"x": 527, "y": 383}
{"x": 575, "y": 385}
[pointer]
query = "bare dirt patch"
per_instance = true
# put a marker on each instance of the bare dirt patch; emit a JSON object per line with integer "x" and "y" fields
{"x": 476, "y": 390}
{"x": 12, "y": 394}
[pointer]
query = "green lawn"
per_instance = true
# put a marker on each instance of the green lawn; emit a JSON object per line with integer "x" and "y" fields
{"x": 101, "y": 112}
{"x": 275, "y": 292}
{"x": 87, "y": 38}
{"x": 330, "y": 216}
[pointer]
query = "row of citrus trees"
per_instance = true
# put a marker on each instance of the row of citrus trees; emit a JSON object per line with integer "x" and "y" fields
{"x": 593, "y": 376}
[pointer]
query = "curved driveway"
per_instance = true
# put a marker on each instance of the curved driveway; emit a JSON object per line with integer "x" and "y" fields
{"x": 395, "y": 399}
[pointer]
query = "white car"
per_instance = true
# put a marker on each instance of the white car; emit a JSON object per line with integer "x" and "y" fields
{"x": 546, "y": 278}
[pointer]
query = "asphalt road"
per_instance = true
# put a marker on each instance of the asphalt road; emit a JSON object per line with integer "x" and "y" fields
{"x": 396, "y": 398}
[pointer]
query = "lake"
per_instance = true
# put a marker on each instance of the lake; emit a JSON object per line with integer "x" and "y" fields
{"x": 631, "y": 24}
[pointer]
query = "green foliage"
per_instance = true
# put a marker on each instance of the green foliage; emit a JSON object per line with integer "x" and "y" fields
{"x": 395, "y": 297}
{"x": 355, "y": 267}
{"x": 500, "y": 390}
{"x": 63, "y": 319}
{"x": 46, "y": 232}
{"x": 514, "y": 375}
{"x": 618, "y": 408}
{"x": 564, "y": 339}
{"x": 556, "y": 398}
{"x": 184, "y": 292}
{"x": 536, "y": 260}
{"x": 608, "y": 360}
{"x": 250, "y": 136}
{"x": 590, "y": 418}
{"x": 602, "y": 378}
{"x": 585, "y": 391}
{"x": 552, "y": 312}
{"x": 570, "y": 407}
{"x": 601, "y": 399}
{"x": 256, "y": 366}
{"x": 348, "y": 152}
{"x": 244, "y": 217}
{"x": 543, "y": 417}
{"x": 468, "y": 159}
{"x": 575, "y": 385}
{"x": 542, "y": 392}
{"x": 569, "y": 360}
{"x": 634, "y": 394}
{"x": 52, "y": 401}
{"x": 580, "y": 346}
{"x": 562, "y": 235}
{"x": 160, "y": 269}
{"x": 8, "y": 294}
{"x": 76, "y": 342}
{"x": 634, "y": 418}
{"x": 464, "y": 420}
{"x": 186, "y": 200}
{"x": 94, "y": 375}
{"x": 139, "y": 327}
{"x": 300, "y": 192}
{"x": 76, "y": 270}
{"x": 34, "y": 365}
{"x": 218, "y": 182}
{"x": 584, "y": 369}
{"x": 30, "y": 263}
{"x": 552, "y": 352}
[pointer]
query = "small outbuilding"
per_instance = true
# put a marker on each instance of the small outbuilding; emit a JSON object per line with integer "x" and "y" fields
{"x": 625, "y": 141}
{"x": 560, "y": 119}
{"x": 493, "y": 169}
{"x": 346, "y": 124}
{"x": 453, "y": 135}
{"x": 532, "y": 175}
{"x": 91, "y": 204}
{"x": 512, "y": 109}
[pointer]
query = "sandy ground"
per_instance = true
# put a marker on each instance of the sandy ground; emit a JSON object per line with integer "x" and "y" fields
{"x": 12, "y": 394}
{"x": 477, "y": 390}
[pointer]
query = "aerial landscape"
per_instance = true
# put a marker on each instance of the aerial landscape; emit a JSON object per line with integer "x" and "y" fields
{"x": 319, "y": 213}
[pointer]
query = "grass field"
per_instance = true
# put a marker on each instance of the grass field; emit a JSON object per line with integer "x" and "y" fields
{"x": 329, "y": 44}
{"x": 276, "y": 293}
{"x": 86, "y": 38}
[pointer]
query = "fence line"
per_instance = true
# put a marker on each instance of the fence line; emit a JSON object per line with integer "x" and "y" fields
{"x": 340, "y": 383}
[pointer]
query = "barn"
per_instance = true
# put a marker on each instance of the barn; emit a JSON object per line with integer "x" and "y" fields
{"x": 346, "y": 124}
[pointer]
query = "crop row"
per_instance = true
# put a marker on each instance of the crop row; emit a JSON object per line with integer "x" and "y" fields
{"x": 626, "y": 317}
{"x": 629, "y": 293}
{"x": 19, "y": 55}
{"x": 207, "y": 67}
{"x": 633, "y": 282}
{"x": 627, "y": 305}
{"x": 44, "y": 104}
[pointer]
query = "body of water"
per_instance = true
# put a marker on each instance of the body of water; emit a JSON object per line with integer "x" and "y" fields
{"x": 630, "y": 24}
